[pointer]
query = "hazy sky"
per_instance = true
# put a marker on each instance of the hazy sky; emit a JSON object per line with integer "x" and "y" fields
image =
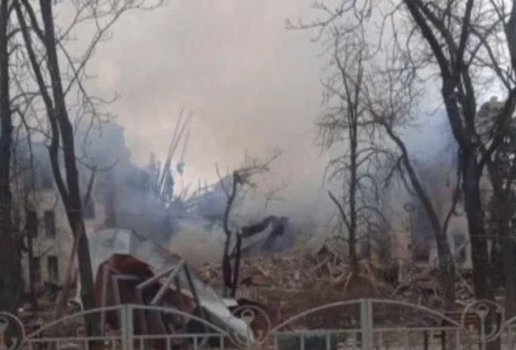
{"x": 251, "y": 84}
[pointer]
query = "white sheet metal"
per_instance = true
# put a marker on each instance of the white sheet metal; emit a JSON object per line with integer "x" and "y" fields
{"x": 108, "y": 242}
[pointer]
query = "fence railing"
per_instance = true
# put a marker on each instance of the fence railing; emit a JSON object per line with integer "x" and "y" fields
{"x": 364, "y": 324}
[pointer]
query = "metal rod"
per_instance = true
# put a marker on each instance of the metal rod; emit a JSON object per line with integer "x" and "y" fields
{"x": 197, "y": 301}
{"x": 180, "y": 303}
{"x": 116, "y": 288}
{"x": 105, "y": 281}
{"x": 161, "y": 292}
{"x": 141, "y": 312}
{"x": 366, "y": 319}
{"x": 179, "y": 292}
{"x": 173, "y": 271}
{"x": 155, "y": 278}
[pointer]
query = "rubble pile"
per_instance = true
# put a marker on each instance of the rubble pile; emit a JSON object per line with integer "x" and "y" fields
{"x": 291, "y": 284}
{"x": 132, "y": 270}
{"x": 275, "y": 271}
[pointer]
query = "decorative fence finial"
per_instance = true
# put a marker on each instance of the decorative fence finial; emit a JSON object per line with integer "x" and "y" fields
{"x": 258, "y": 326}
{"x": 11, "y": 331}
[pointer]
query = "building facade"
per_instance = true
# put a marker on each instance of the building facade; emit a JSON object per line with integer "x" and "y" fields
{"x": 411, "y": 234}
{"x": 49, "y": 240}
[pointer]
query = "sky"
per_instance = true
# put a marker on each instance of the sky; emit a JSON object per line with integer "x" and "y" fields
{"x": 251, "y": 85}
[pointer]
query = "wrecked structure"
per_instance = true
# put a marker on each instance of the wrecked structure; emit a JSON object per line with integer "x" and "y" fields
{"x": 130, "y": 269}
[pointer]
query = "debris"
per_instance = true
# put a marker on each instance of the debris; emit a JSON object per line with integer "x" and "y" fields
{"x": 290, "y": 283}
{"x": 130, "y": 269}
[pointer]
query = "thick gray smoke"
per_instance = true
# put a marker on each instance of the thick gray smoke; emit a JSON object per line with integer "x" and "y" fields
{"x": 190, "y": 224}
{"x": 434, "y": 152}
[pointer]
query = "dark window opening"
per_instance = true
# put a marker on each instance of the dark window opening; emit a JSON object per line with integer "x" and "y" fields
{"x": 53, "y": 269}
{"x": 32, "y": 223}
{"x": 35, "y": 271}
{"x": 50, "y": 223}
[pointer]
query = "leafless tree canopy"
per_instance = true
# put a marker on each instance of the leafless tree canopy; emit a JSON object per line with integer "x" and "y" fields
{"x": 238, "y": 183}
{"x": 414, "y": 50}
{"x": 44, "y": 92}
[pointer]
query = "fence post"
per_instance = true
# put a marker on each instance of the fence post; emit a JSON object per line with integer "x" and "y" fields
{"x": 366, "y": 323}
{"x": 126, "y": 327}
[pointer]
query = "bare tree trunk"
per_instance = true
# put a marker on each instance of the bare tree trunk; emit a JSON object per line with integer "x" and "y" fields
{"x": 236, "y": 266}
{"x": 501, "y": 213}
{"x": 447, "y": 272}
{"x": 61, "y": 131}
{"x": 69, "y": 281}
{"x": 231, "y": 258}
{"x": 31, "y": 232}
{"x": 353, "y": 258}
{"x": 71, "y": 199}
{"x": 457, "y": 84}
{"x": 482, "y": 282}
{"x": 353, "y": 145}
{"x": 10, "y": 269}
{"x": 227, "y": 269}
{"x": 509, "y": 260}
{"x": 477, "y": 233}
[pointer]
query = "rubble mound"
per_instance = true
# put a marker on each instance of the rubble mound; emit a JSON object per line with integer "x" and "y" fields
{"x": 292, "y": 284}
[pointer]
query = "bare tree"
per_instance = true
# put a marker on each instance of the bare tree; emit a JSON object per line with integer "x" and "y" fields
{"x": 439, "y": 225}
{"x": 45, "y": 52}
{"x": 241, "y": 180}
{"x": 376, "y": 102}
{"x": 347, "y": 125}
{"x": 501, "y": 169}
{"x": 23, "y": 185}
{"x": 468, "y": 41}
{"x": 460, "y": 48}
{"x": 10, "y": 265}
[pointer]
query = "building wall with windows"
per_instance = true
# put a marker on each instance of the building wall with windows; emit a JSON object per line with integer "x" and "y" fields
{"x": 458, "y": 236}
{"x": 52, "y": 240}
{"x": 426, "y": 250}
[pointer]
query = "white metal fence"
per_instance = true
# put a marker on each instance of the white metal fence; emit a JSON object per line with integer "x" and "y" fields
{"x": 366, "y": 324}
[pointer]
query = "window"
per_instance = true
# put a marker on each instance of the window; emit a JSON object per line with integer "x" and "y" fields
{"x": 52, "y": 269}
{"x": 32, "y": 223}
{"x": 459, "y": 247}
{"x": 50, "y": 223}
{"x": 35, "y": 271}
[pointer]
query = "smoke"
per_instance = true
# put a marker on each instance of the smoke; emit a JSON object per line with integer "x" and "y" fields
{"x": 190, "y": 224}
{"x": 434, "y": 151}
